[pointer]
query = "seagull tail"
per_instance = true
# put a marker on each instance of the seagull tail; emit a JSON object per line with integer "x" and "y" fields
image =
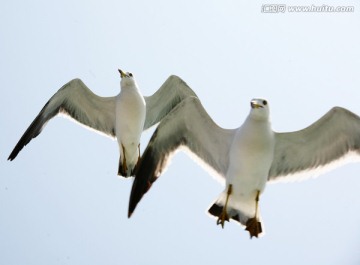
{"x": 237, "y": 215}
{"x": 239, "y": 212}
{"x": 121, "y": 170}
{"x": 125, "y": 170}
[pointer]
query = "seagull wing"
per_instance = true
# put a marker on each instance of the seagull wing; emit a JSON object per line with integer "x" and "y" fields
{"x": 325, "y": 144}
{"x": 158, "y": 105}
{"x": 187, "y": 125}
{"x": 77, "y": 101}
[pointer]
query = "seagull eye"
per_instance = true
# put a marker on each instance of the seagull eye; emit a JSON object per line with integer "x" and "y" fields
{"x": 264, "y": 102}
{"x": 130, "y": 74}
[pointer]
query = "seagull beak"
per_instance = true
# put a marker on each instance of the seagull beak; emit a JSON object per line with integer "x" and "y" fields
{"x": 255, "y": 105}
{"x": 122, "y": 74}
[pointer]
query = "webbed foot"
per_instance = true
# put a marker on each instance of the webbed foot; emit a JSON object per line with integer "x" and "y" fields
{"x": 254, "y": 227}
{"x": 224, "y": 216}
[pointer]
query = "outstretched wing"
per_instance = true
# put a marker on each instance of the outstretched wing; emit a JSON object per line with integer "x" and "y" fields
{"x": 76, "y": 100}
{"x": 187, "y": 125}
{"x": 327, "y": 143}
{"x": 158, "y": 105}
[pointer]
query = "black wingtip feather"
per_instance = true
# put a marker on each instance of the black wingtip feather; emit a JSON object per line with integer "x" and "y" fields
{"x": 33, "y": 130}
{"x": 144, "y": 177}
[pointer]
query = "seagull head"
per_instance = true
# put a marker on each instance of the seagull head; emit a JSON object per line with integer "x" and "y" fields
{"x": 127, "y": 79}
{"x": 259, "y": 108}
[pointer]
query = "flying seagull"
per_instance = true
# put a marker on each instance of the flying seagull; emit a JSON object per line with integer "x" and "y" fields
{"x": 124, "y": 116}
{"x": 248, "y": 157}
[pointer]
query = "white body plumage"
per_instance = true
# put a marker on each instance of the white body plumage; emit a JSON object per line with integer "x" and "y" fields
{"x": 130, "y": 117}
{"x": 250, "y": 159}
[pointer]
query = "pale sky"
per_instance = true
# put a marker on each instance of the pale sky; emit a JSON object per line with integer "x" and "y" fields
{"x": 60, "y": 199}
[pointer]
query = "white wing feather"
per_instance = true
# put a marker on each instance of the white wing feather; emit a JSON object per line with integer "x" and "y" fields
{"x": 328, "y": 143}
{"x": 158, "y": 105}
{"x": 77, "y": 101}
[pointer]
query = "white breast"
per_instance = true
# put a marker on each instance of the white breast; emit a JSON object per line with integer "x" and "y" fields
{"x": 251, "y": 156}
{"x": 130, "y": 115}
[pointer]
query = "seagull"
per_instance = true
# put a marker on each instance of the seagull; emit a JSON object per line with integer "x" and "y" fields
{"x": 122, "y": 117}
{"x": 249, "y": 157}
{"x": 130, "y": 108}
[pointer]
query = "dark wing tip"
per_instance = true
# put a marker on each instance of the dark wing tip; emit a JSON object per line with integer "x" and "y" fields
{"x": 12, "y": 156}
{"x": 19, "y": 146}
{"x": 34, "y": 129}
{"x": 140, "y": 186}
{"x": 144, "y": 177}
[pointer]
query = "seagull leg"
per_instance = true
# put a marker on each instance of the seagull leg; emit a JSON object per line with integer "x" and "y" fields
{"x": 253, "y": 225}
{"x": 224, "y": 216}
